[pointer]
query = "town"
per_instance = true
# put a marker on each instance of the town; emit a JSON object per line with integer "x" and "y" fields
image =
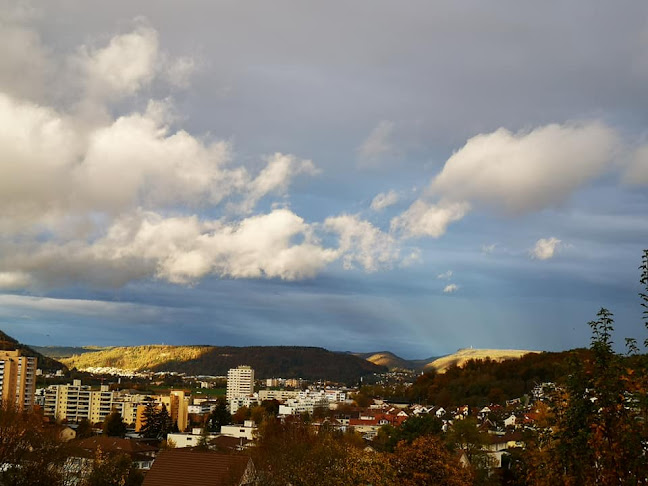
{"x": 247, "y": 425}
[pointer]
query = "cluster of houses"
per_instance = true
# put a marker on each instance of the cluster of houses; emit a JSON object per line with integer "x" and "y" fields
{"x": 502, "y": 425}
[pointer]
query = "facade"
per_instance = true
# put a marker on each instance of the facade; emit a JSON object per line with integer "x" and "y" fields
{"x": 17, "y": 378}
{"x": 240, "y": 382}
{"x": 280, "y": 395}
{"x": 189, "y": 440}
{"x": 247, "y": 430}
{"x": 75, "y": 402}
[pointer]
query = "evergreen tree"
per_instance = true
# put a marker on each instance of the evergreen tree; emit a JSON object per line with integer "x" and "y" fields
{"x": 166, "y": 424}
{"x": 150, "y": 424}
{"x": 220, "y": 416}
{"x": 114, "y": 425}
{"x": 84, "y": 429}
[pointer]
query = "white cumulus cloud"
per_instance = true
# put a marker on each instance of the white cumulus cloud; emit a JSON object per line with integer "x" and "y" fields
{"x": 445, "y": 275}
{"x": 527, "y": 171}
{"x": 545, "y": 248}
{"x": 122, "y": 67}
{"x": 450, "y": 288}
{"x": 360, "y": 242}
{"x": 425, "y": 219}
{"x": 384, "y": 200}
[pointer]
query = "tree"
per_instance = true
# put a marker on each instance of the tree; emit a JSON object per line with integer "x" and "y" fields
{"x": 412, "y": 428}
{"x": 31, "y": 454}
{"x": 466, "y": 437}
{"x": 114, "y": 425}
{"x": 426, "y": 461}
{"x": 113, "y": 470}
{"x": 220, "y": 416}
{"x": 156, "y": 422}
{"x": 598, "y": 436}
{"x": 242, "y": 414}
{"x": 150, "y": 424}
{"x": 84, "y": 429}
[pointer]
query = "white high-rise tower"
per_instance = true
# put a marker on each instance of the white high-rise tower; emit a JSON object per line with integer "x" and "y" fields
{"x": 240, "y": 382}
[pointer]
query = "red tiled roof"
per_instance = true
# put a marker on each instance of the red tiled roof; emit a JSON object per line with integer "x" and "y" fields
{"x": 180, "y": 467}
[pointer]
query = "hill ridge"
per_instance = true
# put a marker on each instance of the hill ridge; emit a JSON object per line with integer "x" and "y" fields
{"x": 308, "y": 362}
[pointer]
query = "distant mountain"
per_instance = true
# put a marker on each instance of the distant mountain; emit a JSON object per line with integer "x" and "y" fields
{"x": 393, "y": 362}
{"x": 466, "y": 354}
{"x": 58, "y": 352}
{"x": 309, "y": 363}
{"x": 7, "y": 343}
{"x": 440, "y": 364}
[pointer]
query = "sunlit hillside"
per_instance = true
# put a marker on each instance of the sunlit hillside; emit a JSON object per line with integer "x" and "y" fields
{"x": 466, "y": 354}
{"x": 310, "y": 363}
{"x": 135, "y": 357}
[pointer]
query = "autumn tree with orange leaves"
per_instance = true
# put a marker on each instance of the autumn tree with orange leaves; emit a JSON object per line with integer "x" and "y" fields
{"x": 599, "y": 436}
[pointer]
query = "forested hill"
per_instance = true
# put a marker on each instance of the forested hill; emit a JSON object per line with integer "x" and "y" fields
{"x": 8, "y": 343}
{"x": 268, "y": 361}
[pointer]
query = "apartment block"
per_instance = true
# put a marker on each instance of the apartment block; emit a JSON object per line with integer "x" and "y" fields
{"x": 17, "y": 378}
{"x": 240, "y": 382}
{"x": 75, "y": 402}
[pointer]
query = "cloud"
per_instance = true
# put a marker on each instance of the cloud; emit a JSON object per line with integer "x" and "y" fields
{"x": 362, "y": 243}
{"x": 179, "y": 71}
{"x": 25, "y": 65}
{"x": 413, "y": 258}
{"x": 384, "y": 200}
{"x": 488, "y": 249}
{"x": 377, "y": 144}
{"x": 14, "y": 280}
{"x": 111, "y": 199}
{"x": 182, "y": 250}
{"x": 450, "y": 288}
{"x": 122, "y": 67}
{"x": 424, "y": 219}
{"x": 445, "y": 275}
{"x": 637, "y": 170}
{"x": 545, "y": 248}
{"x": 516, "y": 173}
{"x": 512, "y": 174}
{"x": 275, "y": 177}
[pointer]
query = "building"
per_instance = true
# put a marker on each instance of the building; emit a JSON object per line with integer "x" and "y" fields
{"x": 177, "y": 404}
{"x": 279, "y": 395}
{"x": 17, "y": 379}
{"x": 183, "y": 467}
{"x": 247, "y": 430}
{"x": 192, "y": 439}
{"x": 74, "y": 402}
{"x": 240, "y": 382}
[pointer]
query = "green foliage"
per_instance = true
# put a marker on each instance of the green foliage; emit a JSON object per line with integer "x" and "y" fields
{"x": 114, "y": 425}
{"x": 411, "y": 429}
{"x": 220, "y": 416}
{"x": 599, "y": 434}
{"x": 84, "y": 429}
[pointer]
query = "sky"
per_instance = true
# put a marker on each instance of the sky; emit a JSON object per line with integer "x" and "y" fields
{"x": 362, "y": 176}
